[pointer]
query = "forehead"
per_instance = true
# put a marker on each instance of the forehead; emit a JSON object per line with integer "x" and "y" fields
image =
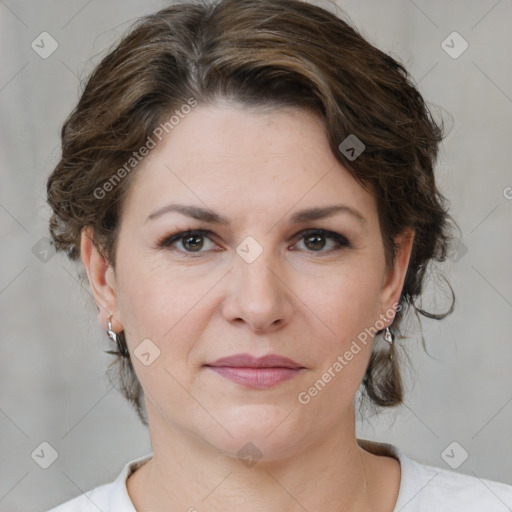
{"x": 243, "y": 162}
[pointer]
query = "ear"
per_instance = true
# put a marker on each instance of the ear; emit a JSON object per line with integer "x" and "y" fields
{"x": 102, "y": 280}
{"x": 394, "y": 278}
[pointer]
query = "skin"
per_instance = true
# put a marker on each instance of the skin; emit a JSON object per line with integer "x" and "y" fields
{"x": 297, "y": 299}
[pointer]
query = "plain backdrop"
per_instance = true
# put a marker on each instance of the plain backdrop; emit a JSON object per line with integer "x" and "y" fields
{"x": 52, "y": 379}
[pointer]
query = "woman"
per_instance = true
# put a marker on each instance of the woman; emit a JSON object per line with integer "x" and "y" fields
{"x": 249, "y": 185}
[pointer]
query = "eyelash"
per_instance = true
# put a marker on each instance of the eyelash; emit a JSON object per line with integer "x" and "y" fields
{"x": 168, "y": 240}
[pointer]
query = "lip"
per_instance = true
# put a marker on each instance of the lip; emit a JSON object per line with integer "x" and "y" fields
{"x": 256, "y": 372}
{"x": 248, "y": 361}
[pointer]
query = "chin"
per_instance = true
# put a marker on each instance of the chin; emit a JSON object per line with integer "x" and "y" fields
{"x": 250, "y": 449}
{"x": 260, "y": 431}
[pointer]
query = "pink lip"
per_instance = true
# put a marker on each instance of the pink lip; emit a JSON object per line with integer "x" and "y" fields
{"x": 248, "y": 361}
{"x": 258, "y": 373}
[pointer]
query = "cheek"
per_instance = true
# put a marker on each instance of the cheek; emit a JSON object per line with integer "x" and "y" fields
{"x": 148, "y": 293}
{"x": 349, "y": 303}
{"x": 349, "y": 308}
{"x": 163, "y": 305}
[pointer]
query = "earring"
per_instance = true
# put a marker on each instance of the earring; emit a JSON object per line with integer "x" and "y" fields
{"x": 111, "y": 334}
{"x": 388, "y": 336}
{"x": 117, "y": 339}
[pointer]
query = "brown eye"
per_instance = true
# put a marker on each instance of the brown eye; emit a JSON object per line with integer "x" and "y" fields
{"x": 316, "y": 239}
{"x": 315, "y": 242}
{"x": 190, "y": 241}
{"x": 193, "y": 242}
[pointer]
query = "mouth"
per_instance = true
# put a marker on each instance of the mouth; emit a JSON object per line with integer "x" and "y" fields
{"x": 256, "y": 373}
{"x": 257, "y": 378}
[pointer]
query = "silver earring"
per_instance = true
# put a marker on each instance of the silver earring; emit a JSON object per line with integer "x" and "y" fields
{"x": 111, "y": 334}
{"x": 388, "y": 336}
{"x": 121, "y": 346}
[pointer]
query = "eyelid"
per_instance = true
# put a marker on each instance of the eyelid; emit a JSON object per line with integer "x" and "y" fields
{"x": 169, "y": 239}
{"x": 340, "y": 240}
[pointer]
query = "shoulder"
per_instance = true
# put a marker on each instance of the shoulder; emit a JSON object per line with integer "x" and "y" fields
{"x": 111, "y": 497}
{"x": 426, "y": 488}
{"x": 93, "y": 500}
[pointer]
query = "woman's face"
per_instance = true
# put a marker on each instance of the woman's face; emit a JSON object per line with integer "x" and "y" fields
{"x": 257, "y": 284}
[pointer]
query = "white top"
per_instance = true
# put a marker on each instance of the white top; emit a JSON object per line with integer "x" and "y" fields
{"x": 422, "y": 489}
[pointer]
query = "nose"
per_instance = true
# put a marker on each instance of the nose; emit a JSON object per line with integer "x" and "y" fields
{"x": 258, "y": 294}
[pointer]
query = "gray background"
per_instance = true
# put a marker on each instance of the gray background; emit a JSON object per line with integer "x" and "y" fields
{"x": 53, "y": 385}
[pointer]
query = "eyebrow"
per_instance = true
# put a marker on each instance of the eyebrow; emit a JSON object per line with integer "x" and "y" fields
{"x": 207, "y": 215}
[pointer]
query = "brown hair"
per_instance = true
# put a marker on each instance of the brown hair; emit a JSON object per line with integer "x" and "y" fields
{"x": 260, "y": 54}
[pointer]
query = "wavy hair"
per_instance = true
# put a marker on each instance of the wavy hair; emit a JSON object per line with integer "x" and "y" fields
{"x": 262, "y": 54}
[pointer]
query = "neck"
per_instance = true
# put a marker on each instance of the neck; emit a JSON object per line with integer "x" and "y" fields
{"x": 186, "y": 473}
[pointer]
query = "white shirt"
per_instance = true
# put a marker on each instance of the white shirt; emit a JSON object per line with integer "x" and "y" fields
{"x": 422, "y": 489}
